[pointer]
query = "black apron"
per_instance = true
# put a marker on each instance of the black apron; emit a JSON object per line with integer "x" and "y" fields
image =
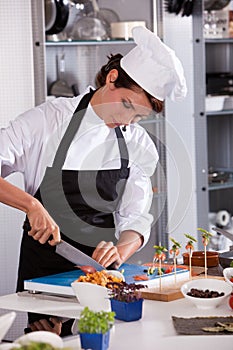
{"x": 81, "y": 203}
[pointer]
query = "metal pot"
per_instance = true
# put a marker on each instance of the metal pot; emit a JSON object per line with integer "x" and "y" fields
{"x": 62, "y": 14}
{"x": 225, "y": 258}
{"x": 211, "y": 5}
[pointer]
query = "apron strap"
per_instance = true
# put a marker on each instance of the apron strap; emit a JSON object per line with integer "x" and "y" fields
{"x": 71, "y": 130}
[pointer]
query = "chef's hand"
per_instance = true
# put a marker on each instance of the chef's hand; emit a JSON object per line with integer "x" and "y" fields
{"x": 106, "y": 254}
{"x": 53, "y": 325}
{"x": 42, "y": 225}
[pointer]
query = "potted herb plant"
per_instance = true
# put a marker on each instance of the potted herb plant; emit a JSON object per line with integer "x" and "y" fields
{"x": 94, "y": 328}
{"x": 126, "y": 301}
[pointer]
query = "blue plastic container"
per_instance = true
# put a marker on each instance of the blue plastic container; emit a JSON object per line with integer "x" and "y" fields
{"x": 95, "y": 341}
{"x": 127, "y": 311}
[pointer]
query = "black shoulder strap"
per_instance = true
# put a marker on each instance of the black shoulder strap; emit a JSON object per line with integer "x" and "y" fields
{"x": 71, "y": 130}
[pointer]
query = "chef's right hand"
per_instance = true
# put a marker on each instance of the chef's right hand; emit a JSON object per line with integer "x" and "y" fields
{"x": 42, "y": 225}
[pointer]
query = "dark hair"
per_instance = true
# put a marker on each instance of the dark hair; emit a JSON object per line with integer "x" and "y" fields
{"x": 123, "y": 80}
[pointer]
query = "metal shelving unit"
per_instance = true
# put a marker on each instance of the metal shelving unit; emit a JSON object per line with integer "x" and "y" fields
{"x": 219, "y": 128}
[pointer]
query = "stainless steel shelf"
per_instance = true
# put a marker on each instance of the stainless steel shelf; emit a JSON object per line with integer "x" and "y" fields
{"x": 89, "y": 42}
{"x": 223, "y": 112}
{"x": 219, "y": 41}
{"x": 220, "y": 186}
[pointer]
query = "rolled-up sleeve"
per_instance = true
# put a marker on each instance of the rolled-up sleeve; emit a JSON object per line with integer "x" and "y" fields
{"x": 12, "y": 148}
{"x": 20, "y": 146}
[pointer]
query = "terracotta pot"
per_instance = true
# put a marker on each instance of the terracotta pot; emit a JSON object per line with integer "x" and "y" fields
{"x": 198, "y": 258}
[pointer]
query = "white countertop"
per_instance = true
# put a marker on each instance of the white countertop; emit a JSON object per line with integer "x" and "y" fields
{"x": 153, "y": 330}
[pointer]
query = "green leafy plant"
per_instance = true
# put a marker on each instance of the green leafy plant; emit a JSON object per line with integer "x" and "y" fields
{"x": 126, "y": 292}
{"x": 95, "y": 321}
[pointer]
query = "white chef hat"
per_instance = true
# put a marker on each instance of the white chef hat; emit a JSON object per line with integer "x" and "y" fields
{"x": 154, "y": 66}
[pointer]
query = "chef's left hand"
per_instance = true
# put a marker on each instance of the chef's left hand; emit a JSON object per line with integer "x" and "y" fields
{"x": 106, "y": 254}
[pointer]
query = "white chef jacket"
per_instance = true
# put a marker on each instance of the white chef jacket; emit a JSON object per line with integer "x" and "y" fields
{"x": 28, "y": 145}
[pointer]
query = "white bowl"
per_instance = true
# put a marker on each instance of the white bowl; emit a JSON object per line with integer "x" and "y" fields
{"x": 41, "y": 336}
{"x": 123, "y": 30}
{"x": 214, "y": 103}
{"x": 92, "y": 295}
{"x": 228, "y": 273}
{"x": 5, "y": 323}
{"x": 203, "y": 284}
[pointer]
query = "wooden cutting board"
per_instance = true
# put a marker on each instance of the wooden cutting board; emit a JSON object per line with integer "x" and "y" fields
{"x": 169, "y": 293}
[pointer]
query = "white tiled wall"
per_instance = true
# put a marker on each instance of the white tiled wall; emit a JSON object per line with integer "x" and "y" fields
{"x": 16, "y": 96}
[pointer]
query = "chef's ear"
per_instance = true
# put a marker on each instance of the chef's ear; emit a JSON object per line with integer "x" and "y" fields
{"x": 112, "y": 76}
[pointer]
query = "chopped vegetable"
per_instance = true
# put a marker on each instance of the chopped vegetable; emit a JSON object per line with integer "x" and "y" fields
{"x": 140, "y": 278}
{"x": 101, "y": 278}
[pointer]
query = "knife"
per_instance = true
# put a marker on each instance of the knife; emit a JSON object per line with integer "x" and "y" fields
{"x": 223, "y": 232}
{"x": 76, "y": 256}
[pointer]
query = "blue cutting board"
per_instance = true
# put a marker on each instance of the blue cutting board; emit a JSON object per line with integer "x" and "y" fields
{"x": 61, "y": 283}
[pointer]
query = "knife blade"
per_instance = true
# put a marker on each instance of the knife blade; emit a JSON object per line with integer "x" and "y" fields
{"x": 76, "y": 256}
{"x": 223, "y": 232}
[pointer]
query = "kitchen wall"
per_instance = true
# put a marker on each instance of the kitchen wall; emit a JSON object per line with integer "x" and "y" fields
{"x": 16, "y": 96}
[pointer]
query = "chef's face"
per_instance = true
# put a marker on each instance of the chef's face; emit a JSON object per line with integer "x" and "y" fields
{"x": 121, "y": 106}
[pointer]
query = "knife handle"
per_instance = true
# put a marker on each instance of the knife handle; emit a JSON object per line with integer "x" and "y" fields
{"x": 111, "y": 267}
{"x": 26, "y": 226}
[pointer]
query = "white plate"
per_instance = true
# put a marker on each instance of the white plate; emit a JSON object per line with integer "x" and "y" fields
{"x": 5, "y": 323}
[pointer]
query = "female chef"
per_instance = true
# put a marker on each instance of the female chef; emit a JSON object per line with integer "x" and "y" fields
{"x": 86, "y": 181}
